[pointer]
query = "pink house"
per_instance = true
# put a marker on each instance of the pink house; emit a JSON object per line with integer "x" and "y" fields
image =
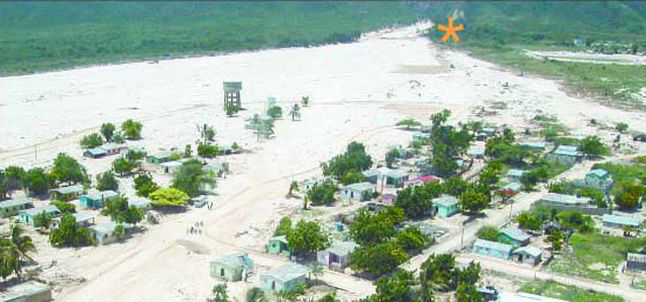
{"x": 388, "y": 198}
{"x": 422, "y": 180}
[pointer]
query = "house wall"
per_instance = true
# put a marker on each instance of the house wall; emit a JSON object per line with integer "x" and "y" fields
{"x": 632, "y": 265}
{"x": 490, "y": 252}
{"x": 586, "y": 210}
{"x": 504, "y": 238}
{"x": 12, "y": 211}
{"x": 444, "y": 211}
{"x": 323, "y": 257}
{"x": 229, "y": 274}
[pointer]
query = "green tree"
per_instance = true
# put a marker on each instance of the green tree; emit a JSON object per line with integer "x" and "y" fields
{"x": 107, "y": 181}
{"x": 275, "y": 112}
{"x": 168, "y": 197}
{"x": 329, "y": 297}
{"x": 255, "y": 295}
{"x": 556, "y": 239}
{"x": 446, "y": 144}
{"x": 107, "y": 130}
{"x": 295, "y": 112}
{"x": 307, "y": 237}
{"x": 351, "y": 177}
{"x": 207, "y": 150}
{"x": 119, "y": 231}
{"x": 440, "y": 270}
{"x": 134, "y": 155}
{"x": 622, "y": 127}
{"x": 220, "y": 293}
{"x": 529, "y": 221}
{"x": 305, "y": 101}
{"x": 37, "y": 181}
{"x": 473, "y": 201}
{"x": 123, "y": 166}
{"x": 408, "y": 123}
{"x": 293, "y": 187}
{"x": 192, "y": 179}
{"x": 68, "y": 233}
{"x": 628, "y": 195}
{"x": 22, "y": 242}
{"x": 466, "y": 292}
{"x": 594, "y": 194}
{"x": 67, "y": 169}
{"x": 411, "y": 238}
{"x": 42, "y": 220}
{"x": 144, "y": 185}
{"x": 64, "y": 207}
{"x": 391, "y": 157}
{"x": 231, "y": 109}
{"x": 91, "y": 141}
{"x": 395, "y": 288}
{"x": 416, "y": 202}
{"x": 592, "y": 147}
{"x": 188, "y": 152}
{"x": 207, "y": 133}
{"x": 284, "y": 226}
{"x": 119, "y": 211}
{"x": 488, "y": 232}
{"x": 322, "y": 193}
{"x": 377, "y": 259}
{"x": 373, "y": 228}
{"x": 15, "y": 178}
{"x": 131, "y": 129}
{"x": 10, "y": 261}
{"x": 354, "y": 158}
{"x": 455, "y": 185}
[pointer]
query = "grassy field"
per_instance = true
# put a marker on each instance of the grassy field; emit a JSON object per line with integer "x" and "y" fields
{"x": 595, "y": 256}
{"x": 55, "y": 35}
{"x": 566, "y": 292}
{"x": 630, "y": 172}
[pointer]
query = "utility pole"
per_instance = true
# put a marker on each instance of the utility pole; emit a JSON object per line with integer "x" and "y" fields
{"x": 462, "y": 237}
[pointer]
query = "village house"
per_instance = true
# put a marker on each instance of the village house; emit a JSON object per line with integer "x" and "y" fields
{"x": 27, "y": 216}
{"x": 66, "y": 193}
{"x": 420, "y": 136}
{"x": 476, "y": 152}
{"x": 171, "y": 167}
{"x": 386, "y": 176}
{"x": 539, "y": 146}
{"x": 618, "y": 221}
{"x": 388, "y": 198}
{"x": 506, "y": 296}
{"x": 513, "y": 236}
{"x": 636, "y": 262}
{"x": 510, "y": 189}
{"x": 337, "y": 254}
{"x": 493, "y": 249}
{"x": 528, "y": 254}
{"x": 113, "y": 148}
{"x": 568, "y": 154}
{"x": 278, "y": 245}
{"x": 141, "y": 203}
{"x": 28, "y": 291}
{"x": 420, "y": 180}
{"x": 486, "y": 132}
{"x": 358, "y": 192}
{"x": 96, "y": 200}
{"x": 599, "y": 179}
{"x": 11, "y": 207}
{"x": 570, "y": 202}
{"x": 95, "y": 152}
{"x": 232, "y": 268}
{"x": 219, "y": 168}
{"x": 284, "y": 278}
{"x": 105, "y": 233}
{"x": 445, "y": 205}
{"x": 160, "y": 157}
{"x": 83, "y": 219}
{"x": 307, "y": 184}
{"x": 514, "y": 175}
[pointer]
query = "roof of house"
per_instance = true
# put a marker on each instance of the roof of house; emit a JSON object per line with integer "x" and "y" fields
{"x": 634, "y": 257}
{"x": 445, "y": 200}
{"x": 138, "y": 201}
{"x": 425, "y": 179}
{"x": 360, "y": 186}
{"x": 288, "y": 272}
{"x": 80, "y": 217}
{"x": 567, "y": 151}
{"x": 623, "y": 220}
{"x": 280, "y": 238}
{"x": 162, "y": 154}
{"x": 476, "y": 150}
{"x": 48, "y": 209}
{"x": 493, "y": 245}
{"x": 69, "y": 189}
{"x": 529, "y": 250}
{"x": 171, "y": 164}
{"x": 97, "y": 151}
{"x": 342, "y": 248}
{"x": 235, "y": 260}
{"x": 505, "y": 296}
{"x": 24, "y": 289}
{"x": 565, "y": 199}
{"x": 106, "y": 228}
{"x": 15, "y": 202}
{"x": 370, "y": 173}
{"x": 600, "y": 173}
{"x": 101, "y": 195}
{"x": 394, "y": 173}
{"x": 515, "y": 172}
{"x": 529, "y": 144}
{"x": 110, "y": 146}
{"x": 514, "y": 186}
{"x": 515, "y": 233}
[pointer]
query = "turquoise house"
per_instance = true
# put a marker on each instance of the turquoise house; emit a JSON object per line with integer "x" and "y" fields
{"x": 232, "y": 267}
{"x": 96, "y": 200}
{"x": 284, "y": 278}
{"x": 513, "y": 236}
{"x": 493, "y": 249}
{"x": 278, "y": 245}
{"x": 27, "y": 216}
{"x": 11, "y": 207}
{"x": 445, "y": 205}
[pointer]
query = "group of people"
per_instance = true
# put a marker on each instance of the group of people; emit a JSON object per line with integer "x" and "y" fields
{"x": 210, "y": 206}
{"x": 196, "y": 228}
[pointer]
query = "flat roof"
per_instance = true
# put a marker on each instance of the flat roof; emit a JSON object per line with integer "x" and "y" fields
{"x": 360, "y": 186}
{"x": 623, "y": 220}
{"x": 101, "y": 194}
{"x": 565, "y": 199}
{"x": 288, "y": 272}
{"x": 138, "y": 201}
{"x": 342, "y": 248}
{"x": 280, "y": 238}
{"x": 49, "y": 209}
{"x": 530, "y": 250}
{"x": 515, "y": 186}
{"x": 24, "y": 289}
{"x": 235, "y": 260}
{"x": 531, "y": 144}
{"x": 634, "y": 257}
{"x": 493, "y": 245}
{"x": 171, "y": 164}
{"x": 598, "y": 173}
{"x": 15, "y": 202}
{"x": 68, "y": 189}
{"x": 445, "y": 200}
{"x": 162, "y": 154}
{"x": 475, "y": 150}
{"x": 515, "y": 233}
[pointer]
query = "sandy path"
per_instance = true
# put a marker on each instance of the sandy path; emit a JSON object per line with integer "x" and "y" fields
{"x": 358, "y": 90}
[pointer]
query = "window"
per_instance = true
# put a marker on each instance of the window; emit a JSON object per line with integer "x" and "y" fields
{"x": 222, "y": 272}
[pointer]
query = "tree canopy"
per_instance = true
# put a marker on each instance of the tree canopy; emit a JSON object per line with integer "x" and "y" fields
{"x": 107, "y": 181}
{"x": 354, "y": 159}
{"x": 192, "y": 179}
{"x": 91, "y": 141}
{"x": 107, "y": 130}
{"x": 131, "y": 129}
{"x": 119, "y": 211}
{"x": 307, "y": 237}
{"x": 68, "y": 169}
{"x": 168, "y": 197}
{"x": 446, "y": 144}
{"x": 69, "y": 233}
{"x": 417, "y": 201}
{"x": 322, "y": 193}
{"x": 144, "y": 184}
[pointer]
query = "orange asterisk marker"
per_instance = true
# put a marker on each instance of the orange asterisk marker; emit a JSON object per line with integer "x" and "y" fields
{"x": 450, "y": 30}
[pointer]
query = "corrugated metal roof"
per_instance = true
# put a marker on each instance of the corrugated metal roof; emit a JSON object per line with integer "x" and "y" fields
{"x": 360, "y": 186}
{"x": 342, "y": 248}
{"x": 24, "y": 289}
{"x": 15, "y": 202}
{"x": 445, "y": 200}
{"x": 69, "y": 189}
{"x": 634, "y": 257}
{"x": 515, "y": 233}
{"x": 565, "y": 199}
{"x": 235, "y": 260}
{"x": 493, "y": 245}
{"x": 600, "y": 173}
{"x": 515, "y": 172}
{"x": 280, "y": 238}
{"x": 529, "y": 250}
{"x": 623, "y": 220}
{"x": 288, "y": 272}
{"x": 102, "y": 195}
{"x": 49, "y": 209}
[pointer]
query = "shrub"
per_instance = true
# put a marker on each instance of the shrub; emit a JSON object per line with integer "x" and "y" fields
{"x": 91, "y": 141}
{"x": 488, "y": 232}
{"x": 168, "y": 197}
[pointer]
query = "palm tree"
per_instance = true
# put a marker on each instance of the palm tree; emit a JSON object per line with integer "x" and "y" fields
{"x": 305, "y": 101}
{"x": 9, "y": 258}
{"x": 295, "y": 112}
{"x": 22, "y": 242}
{"x": 256, "y": 295}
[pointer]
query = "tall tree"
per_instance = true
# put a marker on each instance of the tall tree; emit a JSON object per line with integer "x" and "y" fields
{"x": 131, "y": 129}
{"x": 447, "y": 143}
{"x": 119, "y": 211}
{"x": 91, "y": 141}
{"x": 192, "y": 179}
{"x": 123, "y": 166}
{"x": 295, "y": 112}
{"x": 307, "y": 237}
{"x": 144, "y": 185}
{"x": 37, "y": 181}
{"x": 67, "y": 169}
{"x": 107, "y": 130}
{"x": 107, "y": 181}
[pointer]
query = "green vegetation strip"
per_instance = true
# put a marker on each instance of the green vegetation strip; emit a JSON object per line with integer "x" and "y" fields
{"x": 557, "y": 290}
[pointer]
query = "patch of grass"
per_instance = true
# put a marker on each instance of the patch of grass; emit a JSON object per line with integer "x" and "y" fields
{"x": 640, "y": 284}
{"x": 54, "y": 35}
{"x": 570, "y": 293}
{"x": 592, "y": 250}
